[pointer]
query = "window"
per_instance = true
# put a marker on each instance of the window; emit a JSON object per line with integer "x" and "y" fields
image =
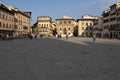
{"x": 0, "y": 15}
{"x": 10, "y": 25}
{"x": 113, "y": 19}
{"x": 0, "y": 24}
{"x": 3, "y": 16}
{"x": 60, "y": 28}
{"x": 82, "y": 23}
{"x": 90, "y": 24}
{"x": 65, "y": 22}
{"x": 15, "y": 27}
{"x": 3, "y": 24}
{"x": 47, "y": 25}
{"x": 69, "y": 22}
{"x": 68, "y": 28}
{"x": 87, "y": 24}
{"x": 6, "y": 25}
{"x": 82, "y": 28}
{"x": 60, "y": 22}
{"x": 6, "y": 17}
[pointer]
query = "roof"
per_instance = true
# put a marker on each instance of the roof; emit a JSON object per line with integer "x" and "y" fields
{"x": 85, "y": 19}
{"x": 16, "y": 10}
{"x": 5, "y": 8}
{"x": 64, "y": 19}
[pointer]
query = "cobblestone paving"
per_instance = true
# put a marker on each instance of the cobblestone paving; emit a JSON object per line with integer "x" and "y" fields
{"x": 53, "y": 59}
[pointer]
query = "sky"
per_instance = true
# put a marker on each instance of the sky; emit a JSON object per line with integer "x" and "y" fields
{"x": 59, "y": 8}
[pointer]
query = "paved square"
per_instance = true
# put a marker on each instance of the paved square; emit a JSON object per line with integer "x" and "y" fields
{"x": 53, "y": 59}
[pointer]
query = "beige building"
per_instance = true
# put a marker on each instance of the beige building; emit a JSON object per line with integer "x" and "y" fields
{"x": 44, "y": 25}
{"x": 22, "y": 22}
{"x": 111, "y": 21}
{"x": 35, "y": 29}
{"x": 65, "y": 26}
{"x": 98, "y": 27}
{"x": 85, "y": 25}
{"x": 54, "y": 28}
{"x": 6, "y": 21}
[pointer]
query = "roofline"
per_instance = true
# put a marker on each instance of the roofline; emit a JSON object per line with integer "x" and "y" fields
{"x": 44, "y": 16}
{"x": 22, "y": 13}
{"x": 64, "y": 19}
{"x": 4, "y": 7}
{"x": 85, "y": 19}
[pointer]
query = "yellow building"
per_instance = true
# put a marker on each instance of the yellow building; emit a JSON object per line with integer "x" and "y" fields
{"x": 44, "y": 25}
{"x": 6, "y": 21}
{"x": 65, "y": 26}
{"x": 98, "y": 27}
{"x": 54, "y": 29}
{"x": 35, "y": 29}
{"x": 111, "y": 21}
{"x": 22, "y": 22}
{"x": 85, "y": 25}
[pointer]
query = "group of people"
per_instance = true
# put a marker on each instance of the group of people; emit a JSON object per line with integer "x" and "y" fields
{"x": 31, "y": 36}
{"x": 59, "y": 36}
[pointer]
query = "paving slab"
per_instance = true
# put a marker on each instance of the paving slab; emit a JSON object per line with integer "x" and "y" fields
{"x": 59, "y": 59}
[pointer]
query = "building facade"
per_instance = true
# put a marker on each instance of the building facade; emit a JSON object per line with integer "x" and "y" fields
{"x": 111, "y": 21}
{"x": 85, "y": 25}
{"x": 22, "y": 26}
{"x": 65, "y": 26}
{"x": 35, "y": 29}
{"x": 6, "y": 21}
{"x": 44, "y": 25}
{"x": 54, "y": 28}
{"x": 98, "y": 27}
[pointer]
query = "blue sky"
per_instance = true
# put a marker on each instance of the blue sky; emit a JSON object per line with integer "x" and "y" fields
{"x": 58, "y": 8}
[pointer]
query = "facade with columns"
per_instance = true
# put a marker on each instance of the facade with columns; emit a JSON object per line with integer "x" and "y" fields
{"x": 98, "y": 27}
{"x": 85, "y": 25}
{"x": 65, "y": 26}
{"x": 22, "y": 20}
{"x": 6, "y": 21}
{"x": 111, "y": 21}
{"x": 44, "y": 25}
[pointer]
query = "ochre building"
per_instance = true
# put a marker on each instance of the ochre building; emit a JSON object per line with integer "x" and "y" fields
{"x": 85, "y": 25}
{"x": 65, "y": 26}
{"x": 111, "y": 21}
{"x": 44, "y": 25}
{"x": 22, "y": 22}
{"x": 6, "y": 22}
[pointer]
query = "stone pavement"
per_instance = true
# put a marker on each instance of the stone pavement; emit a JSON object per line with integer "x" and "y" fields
{"x": 82, "y": 40}
{"x": 53, "y": 59}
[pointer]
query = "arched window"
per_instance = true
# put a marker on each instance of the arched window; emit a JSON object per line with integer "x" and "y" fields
{"x": 0, "y": 24}
{"x": 86, "y": 24}
{"x": 68, "y": 28}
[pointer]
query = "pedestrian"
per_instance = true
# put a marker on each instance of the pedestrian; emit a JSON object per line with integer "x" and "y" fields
{"x": 35, "y": 36}
{"x": 66, "y": 36}
{"x": 41, "y": 35}
{"x": 94, "y": 37}
{"x": 60, "y": 36}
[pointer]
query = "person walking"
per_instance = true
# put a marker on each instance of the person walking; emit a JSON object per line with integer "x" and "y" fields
{"x": 35, "y": 36}
{"x": 94, "y": 37}
{"x": 66, "y": 36}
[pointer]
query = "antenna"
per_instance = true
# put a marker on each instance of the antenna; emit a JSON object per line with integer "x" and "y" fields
{"x": 0, "y": 2}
